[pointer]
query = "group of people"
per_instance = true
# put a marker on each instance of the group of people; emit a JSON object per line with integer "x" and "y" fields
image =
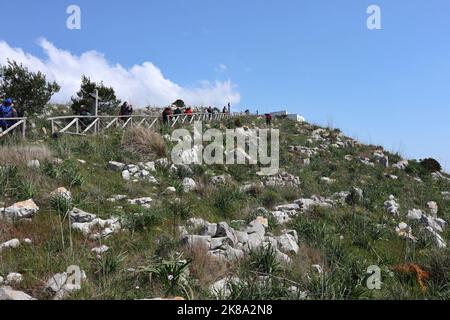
{"x": 175, "y": 111}
{"x": 7, "y": 111}
{"x": 168, "y": 113}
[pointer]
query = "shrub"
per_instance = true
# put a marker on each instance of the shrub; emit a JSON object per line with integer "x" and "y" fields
{"x": 145, "y": 142}
{"x": 25, "y": 189}
{"x": 225, "y": 199}
{"x": 68, "y": 172}
{"x": 172, "y": 275}
{"x": 270, "y": 198}
{"x": 431, "y": 165}
{"x": 264, "y": 260}
{"x": 108, "y": 263}
{"x": 143, "y": 220}
{"x": 61, "y": 203}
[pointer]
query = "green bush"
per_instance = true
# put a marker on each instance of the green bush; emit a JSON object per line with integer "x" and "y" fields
{"x": 143, "y": 219}
{"x": 225, "y": 199}
{"x": 264, "y": 260}
{"x": 431, "y": 165}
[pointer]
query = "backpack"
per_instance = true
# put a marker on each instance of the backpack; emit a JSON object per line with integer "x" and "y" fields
{"x": 6, "y": 112}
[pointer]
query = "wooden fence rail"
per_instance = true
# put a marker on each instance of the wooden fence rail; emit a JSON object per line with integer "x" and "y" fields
{"x": 18, "y": 123}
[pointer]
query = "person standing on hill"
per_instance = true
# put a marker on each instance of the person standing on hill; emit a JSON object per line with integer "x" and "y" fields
{"x": 167, "y": 115}
{"x": 178, "y": 112}
{"x": 269, "y": 119}
{"x": 7, "y": 111}
{"x": 210, "y": 112}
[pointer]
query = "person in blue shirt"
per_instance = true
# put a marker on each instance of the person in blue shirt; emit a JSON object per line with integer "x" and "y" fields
{"x": 7, "y": 111}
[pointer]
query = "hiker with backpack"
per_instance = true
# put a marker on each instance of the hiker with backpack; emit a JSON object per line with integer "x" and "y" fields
{"x": 7, "y": 111}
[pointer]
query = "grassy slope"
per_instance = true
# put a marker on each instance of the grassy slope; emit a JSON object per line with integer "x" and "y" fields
{"x": 345, "y": 240}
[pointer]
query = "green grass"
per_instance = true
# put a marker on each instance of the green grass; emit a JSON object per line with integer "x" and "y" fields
{"x": 346, "y": 239}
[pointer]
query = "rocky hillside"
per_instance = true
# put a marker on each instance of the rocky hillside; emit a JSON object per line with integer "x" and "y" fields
{"x": 110, "y": 217}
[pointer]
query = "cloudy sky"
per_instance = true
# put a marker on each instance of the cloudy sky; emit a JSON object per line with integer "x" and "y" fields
{"x": 313, "y": 57}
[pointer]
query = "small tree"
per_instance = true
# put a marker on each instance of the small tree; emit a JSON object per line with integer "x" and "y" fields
{"x": 108, "y": 102}
{"x": 179, "y": 103}
{"x": 29, "y": 90}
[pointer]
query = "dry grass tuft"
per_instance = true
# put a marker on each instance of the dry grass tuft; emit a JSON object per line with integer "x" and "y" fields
{"x": 21, "y": 155}
{"x": 146, "y": 142}
{"x": 205, "y": 268}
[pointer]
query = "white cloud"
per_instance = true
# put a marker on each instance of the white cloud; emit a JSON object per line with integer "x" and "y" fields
{"x": 221, "y": 68}
{"x": 141, "y": 85}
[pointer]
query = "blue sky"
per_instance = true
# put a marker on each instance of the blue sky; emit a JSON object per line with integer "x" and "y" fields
{"x": 315, "y": 57}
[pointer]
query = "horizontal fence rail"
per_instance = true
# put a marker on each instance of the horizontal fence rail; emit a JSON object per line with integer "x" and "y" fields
{"x": 15, "y": 123}
{"x": 84, "y": 125}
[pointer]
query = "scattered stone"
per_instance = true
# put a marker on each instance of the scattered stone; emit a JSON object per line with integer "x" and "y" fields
{"x": 381, "y": 159}
{"x": 11, "y": 244}
{"x": 63, "y": 193}
{"x": 356, "y": 196}
{"x": 81, "y": 161}
{"x": 318, "y": 268}
{"x": 433, "y": 207}
{"x": 100, "y": 250}
{"x": 143, "y": 202}
{"x": 327, "y": 180}
{"x": 171, "y": 190}
{"x": 283, "y": 179}
{"x": 415, "y": 214}
{"x": 126, "y": 175}
{"x": 391, "y": 176}
{"x": 401, "y": 165}
{"x": 116, "y": 166}
{"x": 288, "y": 207}
{"x": 33, "y": 164}
{"x": 116, "y": 198}
{"x": 251, "y": 187}
{"x": 220, "y": 180}
{"x": 194, "y": 240}
{"x": 392, "y": 207}
{"x": 94, "y": 228}
{"x": 9, "y": 294}
{"x": 439, "y": 176}
{"x": 80, "y": 216}
{"x": 19, "y": 211}
{"x": 366, "y": 161}
{"x": 314, "y": 201}
{"x": 189, "y": 185}
{"x": 221, "y": 288}
{"x": 405, "y": 231}
{"x": 14, "y": 278}
{"x": 287, "y": 244}
{"x": 282, "y": 217}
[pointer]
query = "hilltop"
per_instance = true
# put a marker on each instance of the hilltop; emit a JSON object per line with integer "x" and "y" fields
{"x": 136, "y": 226}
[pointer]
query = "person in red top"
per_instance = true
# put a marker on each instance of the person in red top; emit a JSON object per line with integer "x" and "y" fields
{"x": 167, "y": 115}
{"x": 268, "y": 119}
